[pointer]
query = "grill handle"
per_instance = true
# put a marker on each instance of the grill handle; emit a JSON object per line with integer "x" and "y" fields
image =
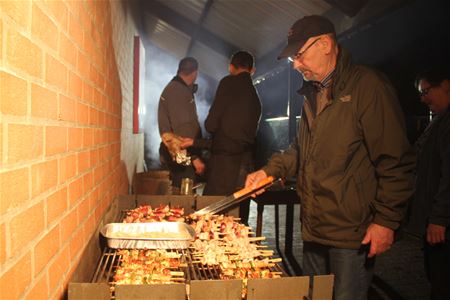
{"x": 249, "y": 189}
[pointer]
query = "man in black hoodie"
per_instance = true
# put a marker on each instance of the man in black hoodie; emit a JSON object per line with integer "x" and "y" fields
{"x": 232, "y": 121}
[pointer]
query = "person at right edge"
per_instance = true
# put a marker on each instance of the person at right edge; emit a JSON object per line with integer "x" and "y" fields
{"x": 430, "y": 208}
{"x": 353, "y": 162}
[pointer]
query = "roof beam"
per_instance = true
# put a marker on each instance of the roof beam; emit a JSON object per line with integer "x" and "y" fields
{"x": 190, "y": 28}
{"x": 199, "y": 26}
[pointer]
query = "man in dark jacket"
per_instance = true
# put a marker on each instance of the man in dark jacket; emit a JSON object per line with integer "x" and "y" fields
{"x": 353, "y": 163}
{"x": 177, "y": 113}
{"x": 430, "y": 213}
{"x": 232, "y": 121}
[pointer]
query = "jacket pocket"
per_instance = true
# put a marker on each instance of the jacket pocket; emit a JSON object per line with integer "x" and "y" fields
{"x": 365, "y": 197}
{"x": 352, "y": 203}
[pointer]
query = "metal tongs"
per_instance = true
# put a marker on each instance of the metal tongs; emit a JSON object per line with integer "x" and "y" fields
{"x": 237, "y": 197}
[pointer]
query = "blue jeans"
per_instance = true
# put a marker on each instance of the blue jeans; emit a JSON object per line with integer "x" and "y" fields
{"x": 351, "y": 268}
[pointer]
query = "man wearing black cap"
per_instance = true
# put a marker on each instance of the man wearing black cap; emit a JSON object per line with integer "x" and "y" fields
{"x": 353, "y": 163}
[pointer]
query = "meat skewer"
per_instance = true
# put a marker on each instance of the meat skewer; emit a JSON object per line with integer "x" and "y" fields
{"x": 221, "y": 242}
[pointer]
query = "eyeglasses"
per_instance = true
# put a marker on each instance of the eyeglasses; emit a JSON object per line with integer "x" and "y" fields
{"x": 425, "y": 91}
{"x": 298, "y": 55}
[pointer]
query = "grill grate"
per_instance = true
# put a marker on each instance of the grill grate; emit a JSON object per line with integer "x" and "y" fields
{"x": 192, "y": 269}
{"x": 107, "y": 266}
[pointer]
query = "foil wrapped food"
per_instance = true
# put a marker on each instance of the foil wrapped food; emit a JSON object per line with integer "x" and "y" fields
{"x": 173, "y": 145}
{"x": 155, "y": 235}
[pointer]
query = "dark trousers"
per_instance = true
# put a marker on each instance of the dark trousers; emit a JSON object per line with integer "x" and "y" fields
{"x": 244, "y": 207}
{"x": 437, "y": 267}
{"x": 226, "y": 175}
{"x": 351, "y": 268}
{"x": 179, "y": 172}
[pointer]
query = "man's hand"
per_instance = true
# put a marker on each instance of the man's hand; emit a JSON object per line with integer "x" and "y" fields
{"x": 435, "y": 234}
{"x": 253, "y": 179}
{"x": 199, "y": 166}
{"x": 186, "y": 142}
{"x": 380, "y": 239}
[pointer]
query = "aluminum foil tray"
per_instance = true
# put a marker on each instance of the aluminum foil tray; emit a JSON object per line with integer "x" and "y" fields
{"x": 156, "y": 235}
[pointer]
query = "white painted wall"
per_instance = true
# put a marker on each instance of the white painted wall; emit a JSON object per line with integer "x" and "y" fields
{"x": 124, "y": 30}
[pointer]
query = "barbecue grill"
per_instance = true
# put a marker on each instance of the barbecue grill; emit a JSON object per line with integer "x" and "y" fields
{"x": 193, "y": 270}
{"x": 199, "y": 281}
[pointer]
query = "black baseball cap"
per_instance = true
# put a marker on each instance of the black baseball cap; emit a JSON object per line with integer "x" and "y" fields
{"x": 302, "y": 30}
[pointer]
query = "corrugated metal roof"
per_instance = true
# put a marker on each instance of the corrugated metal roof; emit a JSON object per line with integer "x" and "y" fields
{"x": 258, "y": 26}
{"x": 214, "y": 64}
{"x": 211, "y": 30}
{"x": 172, "y": 40}
{"x": 191, "y": 9}
{"x": 167, "y": 37}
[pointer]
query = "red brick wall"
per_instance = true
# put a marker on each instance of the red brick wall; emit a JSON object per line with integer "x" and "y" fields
{"x": 60, "y": 115}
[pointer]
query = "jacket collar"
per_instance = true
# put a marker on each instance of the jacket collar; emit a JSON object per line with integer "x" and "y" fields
{"x": 341, "y": 76}
{"x": 192, "y": 88}
{"x": 343, "y": 66}
{"x": 180, "y": 80}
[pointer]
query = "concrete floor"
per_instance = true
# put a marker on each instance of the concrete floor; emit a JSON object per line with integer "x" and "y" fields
{"x": 399, "y": 273}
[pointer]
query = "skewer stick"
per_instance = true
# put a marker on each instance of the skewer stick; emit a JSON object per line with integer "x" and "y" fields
{"x": 266, "y": 251}
{"x": 179, "y": 266}
{"x": 176, "y": 273}
{"x": 177, "y": 279}
{"x": 277, "y": 273}
{"x": 256, "y": 238}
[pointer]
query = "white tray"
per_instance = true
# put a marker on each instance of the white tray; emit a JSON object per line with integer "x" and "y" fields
{"x": 155, "y": 235}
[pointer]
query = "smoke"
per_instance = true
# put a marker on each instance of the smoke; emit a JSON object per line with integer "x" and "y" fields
{"x": 160, "y": 68}
{"x": 203, "y": 99}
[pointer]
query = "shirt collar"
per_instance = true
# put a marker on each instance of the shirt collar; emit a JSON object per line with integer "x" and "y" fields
{"x": 325, "y": 83}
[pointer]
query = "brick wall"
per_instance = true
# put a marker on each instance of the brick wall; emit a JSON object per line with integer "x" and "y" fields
{"x": 60, "y": 166}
